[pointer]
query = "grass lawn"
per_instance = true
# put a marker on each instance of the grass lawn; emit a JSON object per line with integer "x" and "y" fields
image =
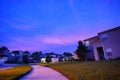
{"x": 14, "y": 73}
{"x": 102, "y": 70}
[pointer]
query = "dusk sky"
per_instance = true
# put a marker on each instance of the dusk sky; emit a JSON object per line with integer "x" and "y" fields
{"x": 54, "y": 25}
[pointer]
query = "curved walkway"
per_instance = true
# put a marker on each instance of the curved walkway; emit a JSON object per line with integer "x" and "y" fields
{"x": 43, "y": 73}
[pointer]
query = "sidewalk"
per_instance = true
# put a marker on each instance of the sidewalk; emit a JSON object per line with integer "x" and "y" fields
{"x": 43, "y": 73}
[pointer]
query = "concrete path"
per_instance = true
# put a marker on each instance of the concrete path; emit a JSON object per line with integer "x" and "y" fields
{"x": 43, "y": 73}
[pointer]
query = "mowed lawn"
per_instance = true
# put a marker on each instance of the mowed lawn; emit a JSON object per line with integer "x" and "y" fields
{"x": 14, "y": 73}
{"x": 102, "y": 70}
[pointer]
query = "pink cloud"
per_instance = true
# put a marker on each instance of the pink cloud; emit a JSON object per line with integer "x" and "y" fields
{"x": 62, "y": 40}
{"x": 25, "y": 44}
{"x": 59, "y": 37}
{"x": 68, "y": 35}
{"x": 41, "y": 43}
{"x": 52, "y": 41}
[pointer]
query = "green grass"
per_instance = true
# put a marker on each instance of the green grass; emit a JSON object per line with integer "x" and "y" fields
{"x": 103, "y": 70}
{"x": 14, "y": 73}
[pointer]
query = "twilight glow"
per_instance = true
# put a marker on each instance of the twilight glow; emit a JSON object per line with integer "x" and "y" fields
{"x": 54, "y": 25}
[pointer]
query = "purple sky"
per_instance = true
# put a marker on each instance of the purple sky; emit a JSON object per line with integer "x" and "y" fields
{"x": 54, "y": 25}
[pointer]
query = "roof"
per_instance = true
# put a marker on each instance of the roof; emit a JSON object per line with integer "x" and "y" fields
{"x": 91, "y": 38}
{"x": 106, "y": 31}
{"x": 110, "y": 30}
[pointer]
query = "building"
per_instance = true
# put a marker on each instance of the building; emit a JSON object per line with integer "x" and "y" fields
{"x": 106, "y": 45}
{"x": 95, "y": 48}
{"x": 54, "y": 57}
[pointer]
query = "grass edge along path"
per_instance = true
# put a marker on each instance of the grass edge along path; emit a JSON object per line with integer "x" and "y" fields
{"x": 101, "y": 70}
{"x": 15, "y": 73}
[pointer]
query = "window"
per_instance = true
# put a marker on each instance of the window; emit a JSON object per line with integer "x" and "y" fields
{"x": 104, "y": 37}
{"x": 109, "y": 53}
{"x": 87, "y": 43}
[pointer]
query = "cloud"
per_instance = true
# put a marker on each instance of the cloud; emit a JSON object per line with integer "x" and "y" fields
{"x": 75, "y": 12}
{"x": 40, "y": 42}
{"x": 25, "y": 24}
{"x": 65, "y": 35}
{"x": 53, "y": 41}
{"x": 23, "y": 43}
{"x": 72, "y": 5}
{"x": 61, "y": 40}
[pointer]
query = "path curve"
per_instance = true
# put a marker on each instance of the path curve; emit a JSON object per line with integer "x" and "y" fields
{"x": 43, "y": 73}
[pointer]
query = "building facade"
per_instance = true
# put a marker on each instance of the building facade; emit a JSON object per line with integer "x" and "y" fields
{"x": 106, "y": 45}
{"x": 110, "y": 40}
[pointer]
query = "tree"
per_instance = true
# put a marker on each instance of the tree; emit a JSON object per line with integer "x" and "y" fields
{"x": 25, "y": 57}
{"x": 67, "y": 54}
{"x": 81, "y": 51}
{"x": 2, "y": 50}
{"x": 48, "y": 59}
{"x": 26, "y": 52}
{"x": 36, "y": 55}
{"x": 16, "y": 52}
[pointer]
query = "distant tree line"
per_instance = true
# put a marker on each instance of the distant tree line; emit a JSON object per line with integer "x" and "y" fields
{"x": 81, "y": 52}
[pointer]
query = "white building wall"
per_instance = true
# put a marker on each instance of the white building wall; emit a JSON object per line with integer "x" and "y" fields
{"x": 43, "y": 60}
{"x": 2, "y": 61}
{"x": 55, "y": 59}
{"x": 111, "y": 44}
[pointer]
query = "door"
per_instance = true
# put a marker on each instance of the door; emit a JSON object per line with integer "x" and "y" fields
{"x": 100, "y": 53}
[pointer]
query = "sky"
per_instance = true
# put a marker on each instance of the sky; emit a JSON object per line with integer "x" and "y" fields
{"x": 54, "y": 25}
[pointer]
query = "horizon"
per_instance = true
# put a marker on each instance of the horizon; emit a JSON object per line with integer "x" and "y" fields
{"x": 54, "y": 26}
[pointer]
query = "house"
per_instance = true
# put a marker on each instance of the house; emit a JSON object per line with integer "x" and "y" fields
{"x": 12, "y": 57}
{"x": 75, "y": 55}
{"x": 68, "y": 56}
{"x": 1, "y": 61}
{"x": 110, "y": 40}
{"x": 3, "y": 54}
{"x": 95, "y": 48}
{"x": 105, "y": 45}
{"x": 18, "y": 57}
{"x": 54, "y": 57}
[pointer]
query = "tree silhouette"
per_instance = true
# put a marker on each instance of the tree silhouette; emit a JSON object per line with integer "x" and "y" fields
{"x": 25, "y": 57}
{"x": 16, "y": 52}
{"x": 81, "y": 51}
{"x": 36, "y": 55}
{"x": 2, "y": 50}
{"x": 48, "y": 59}
{"x": 26, "y": 52}
{"x": 67, "y": 54}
